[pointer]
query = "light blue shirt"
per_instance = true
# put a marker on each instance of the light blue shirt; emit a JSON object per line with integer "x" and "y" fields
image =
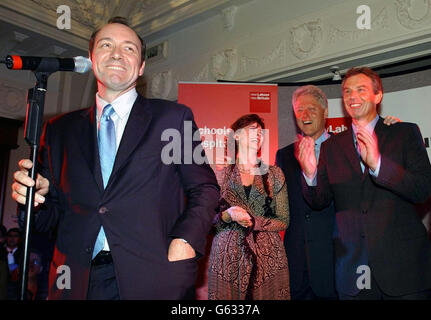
{"x": 317, "y": 144}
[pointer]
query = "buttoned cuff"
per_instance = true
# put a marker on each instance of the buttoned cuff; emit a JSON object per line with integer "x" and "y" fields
{"x": 311, "y": 182}
{"x": 375, "y": 173}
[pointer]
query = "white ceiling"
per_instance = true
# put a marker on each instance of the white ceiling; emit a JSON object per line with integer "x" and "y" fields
{"x": 29, "y": 27}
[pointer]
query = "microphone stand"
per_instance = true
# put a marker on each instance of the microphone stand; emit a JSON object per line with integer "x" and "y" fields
{"x": 33, "y": 129}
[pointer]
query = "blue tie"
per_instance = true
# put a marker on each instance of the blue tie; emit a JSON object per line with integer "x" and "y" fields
{"x": 107, "y": 151}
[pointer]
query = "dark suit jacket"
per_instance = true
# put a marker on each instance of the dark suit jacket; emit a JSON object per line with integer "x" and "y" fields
{"x": 4, "y": 275}
{"x": 376, "y": 218}
{"x": 9, "y": 281}
{"x": 142, "y": 208}
{"x": 309, "y": 239}
{"x": 17, "y": 254}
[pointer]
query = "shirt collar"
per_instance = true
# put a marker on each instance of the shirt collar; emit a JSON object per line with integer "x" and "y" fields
{"x": 11, "y": 250}
{"x": 122, "y": 105}
{"x": 370, "y": 126}
{"x": 324, "y": 136}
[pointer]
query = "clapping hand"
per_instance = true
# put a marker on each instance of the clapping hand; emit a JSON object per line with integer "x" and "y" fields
{"x": 368, "y": 147}
{"x": 304, "y": 153}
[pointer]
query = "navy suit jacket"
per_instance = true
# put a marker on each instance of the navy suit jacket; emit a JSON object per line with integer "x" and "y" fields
{"x": 376, "y": 219}
{"x": 309, "y": 239}
{"x": 145, "y": 205}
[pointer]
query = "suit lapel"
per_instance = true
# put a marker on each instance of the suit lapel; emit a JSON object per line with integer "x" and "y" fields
{"x": 88, "y": 144}
{"x": 291, "y": 161}
{"x": 381, "y": 131}
{"x": 136, "y": 127}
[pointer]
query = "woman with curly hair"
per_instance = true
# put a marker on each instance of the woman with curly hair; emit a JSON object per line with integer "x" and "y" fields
{"x": 248, "y": 260}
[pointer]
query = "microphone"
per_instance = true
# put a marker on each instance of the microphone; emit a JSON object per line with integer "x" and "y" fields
{"x": 78, "y": 64}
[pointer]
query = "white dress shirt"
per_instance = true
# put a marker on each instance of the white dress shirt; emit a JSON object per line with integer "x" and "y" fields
{"x": 11, "y": 259}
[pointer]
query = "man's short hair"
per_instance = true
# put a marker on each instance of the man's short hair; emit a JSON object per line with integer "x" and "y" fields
{"x": 16, "y": 230}
{"x": 123, "y": 21}
{"x": 314, "y": 91}
{"x": 375, "y": 79}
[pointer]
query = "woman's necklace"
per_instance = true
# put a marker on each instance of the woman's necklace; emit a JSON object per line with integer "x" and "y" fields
{"x": 246, "y": 171}
{"x": 241, "y": 170}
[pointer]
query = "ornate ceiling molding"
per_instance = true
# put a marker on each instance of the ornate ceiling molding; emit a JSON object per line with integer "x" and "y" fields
{"x": 146, "y": 16}
{"x": 228, "y": 16}
{"x": 224, "y": 64}
{"x": 306, "y": 39}
{"x": 31, "y": 15}
{"x": 161, "y": 84}
{"x": 276, "y": 55}
{"x": 379, "y": 22}
{"x": 87, "y": 12}
{"x": 154, "y": 15}
{"x": 414, "y": 14}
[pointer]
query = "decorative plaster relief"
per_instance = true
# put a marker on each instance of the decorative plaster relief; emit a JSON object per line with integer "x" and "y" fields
{"x": 49, "y": 4}
{"x": 228, "y": 15}
{"x": 161, "y": 84}
{"x": 152, "y": 11}
{"x": 379, "y": 22}
{"x": 203, "y": 75}
{"x": 414, "y": 14}
{"x": 146, "y": 4}
{"x": 306, "y": 39}
{"x": 87, "y": 12}
{"x": 224, "y": 64}
{"x": 279, "y": 53}
{"x": 13, "y": 101}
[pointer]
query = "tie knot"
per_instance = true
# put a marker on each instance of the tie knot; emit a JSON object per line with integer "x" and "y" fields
{"x": 108, "y": 110}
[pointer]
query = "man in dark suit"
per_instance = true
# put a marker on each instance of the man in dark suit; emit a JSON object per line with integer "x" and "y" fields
{"x": 375, "y": 174}
{"x": 12, "y": 248}
{"x": 11, "y": 252}
{"x": 309, "y": 239}
{"x": 131, "y": 222}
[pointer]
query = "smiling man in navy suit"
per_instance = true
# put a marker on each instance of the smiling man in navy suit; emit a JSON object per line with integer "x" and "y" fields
{"x": 309, "y": 239}
{"x": 130, "y": 225}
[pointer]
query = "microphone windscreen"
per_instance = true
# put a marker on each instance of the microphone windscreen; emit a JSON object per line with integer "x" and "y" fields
{"x": 82, "y": 64}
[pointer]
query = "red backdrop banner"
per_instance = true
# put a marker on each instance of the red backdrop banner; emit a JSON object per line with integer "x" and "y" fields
{"x": 337, "y": 125}
{"x": 217, "y": 105}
